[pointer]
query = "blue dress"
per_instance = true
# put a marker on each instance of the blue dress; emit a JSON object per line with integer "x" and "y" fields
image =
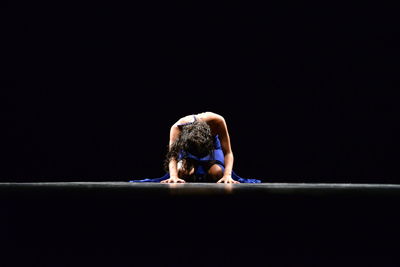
{"x": 217, "y": 157}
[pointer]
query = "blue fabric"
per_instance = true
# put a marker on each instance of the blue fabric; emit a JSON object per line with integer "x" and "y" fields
{"x": 166, "y": 176}
{"x": 217, "y": 156}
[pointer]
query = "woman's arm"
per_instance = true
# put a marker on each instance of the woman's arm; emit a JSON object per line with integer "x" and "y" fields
{"x": 218, "y": 126}
{"x": 172, "y": 166}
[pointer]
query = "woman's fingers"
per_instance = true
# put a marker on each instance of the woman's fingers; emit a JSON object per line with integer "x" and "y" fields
{"x": 228, "y": 181}
{"x": 172, "y": 181}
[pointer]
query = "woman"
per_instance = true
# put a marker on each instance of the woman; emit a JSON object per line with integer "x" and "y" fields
{"x": 199, "y": 150}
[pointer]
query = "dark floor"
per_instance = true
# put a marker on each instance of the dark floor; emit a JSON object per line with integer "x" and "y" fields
{"x": 130, "y": 224}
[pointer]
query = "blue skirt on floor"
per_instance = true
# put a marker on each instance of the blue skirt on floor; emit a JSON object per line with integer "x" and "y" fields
{"x": 217, "y": 157}
{"x": 166, "y": 176}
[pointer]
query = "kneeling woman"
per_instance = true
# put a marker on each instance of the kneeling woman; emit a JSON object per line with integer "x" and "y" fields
{"x": 199, "y": 150}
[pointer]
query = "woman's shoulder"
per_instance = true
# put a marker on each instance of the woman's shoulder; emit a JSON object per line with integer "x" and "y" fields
{"x": 207, "y": 116}
{"x": 185, "y": 120}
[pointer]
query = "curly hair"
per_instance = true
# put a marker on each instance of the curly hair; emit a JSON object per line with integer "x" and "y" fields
{"x": 195, "y": 138}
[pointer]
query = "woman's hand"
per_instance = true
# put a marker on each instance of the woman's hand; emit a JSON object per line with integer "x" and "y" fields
{"x": 227, "y": 179}
{"x": 173, "y": 180}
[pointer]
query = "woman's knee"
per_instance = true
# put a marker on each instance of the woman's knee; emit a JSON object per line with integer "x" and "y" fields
{"x": 215, "y": 172}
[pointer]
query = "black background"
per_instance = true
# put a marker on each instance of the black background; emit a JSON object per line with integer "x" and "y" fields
{"x": 90, "y": 89}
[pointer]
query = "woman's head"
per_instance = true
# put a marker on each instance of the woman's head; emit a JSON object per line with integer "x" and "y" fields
{"x": 195, "y": 138}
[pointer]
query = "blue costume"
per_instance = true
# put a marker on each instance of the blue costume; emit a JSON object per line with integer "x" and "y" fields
{"x": 217, "y": 157}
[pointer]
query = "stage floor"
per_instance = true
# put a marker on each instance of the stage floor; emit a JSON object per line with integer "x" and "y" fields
{"x": 193, "y": 224}
{"x": 205, "y": 188}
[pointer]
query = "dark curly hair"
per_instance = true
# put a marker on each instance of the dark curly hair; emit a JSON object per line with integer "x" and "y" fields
{"x": 195, "y": 138}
